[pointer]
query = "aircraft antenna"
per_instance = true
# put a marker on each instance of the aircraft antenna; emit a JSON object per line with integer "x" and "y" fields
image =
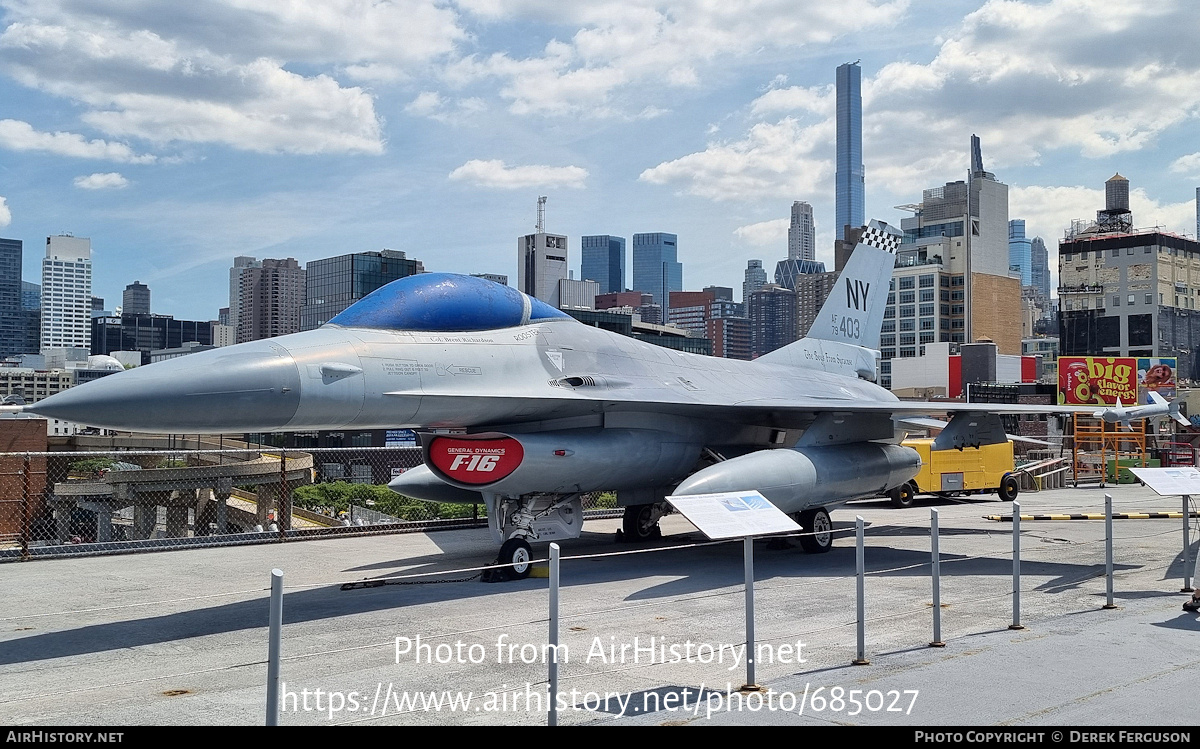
{"x": 541, "y": 215}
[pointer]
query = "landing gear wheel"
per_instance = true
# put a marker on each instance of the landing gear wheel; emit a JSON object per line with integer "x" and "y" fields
{"x": 902, "y": 496}
{"x": 1009, "y": 486}
{"x": 818, "y": 523}
{"x": 516, "y": 551}
{"x": 639, "y": 523}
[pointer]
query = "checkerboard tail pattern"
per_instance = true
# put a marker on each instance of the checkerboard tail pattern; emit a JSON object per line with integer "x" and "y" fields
{"x": 884, "y": 240}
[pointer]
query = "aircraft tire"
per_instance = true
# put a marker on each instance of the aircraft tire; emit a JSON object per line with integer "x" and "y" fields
{"x": 636, "y": 525}
{"x": 816, "y": 521}
{"x": 902, "y": 496}
{"x": 517, "y": 552}
{"x": 1009, "y": 487}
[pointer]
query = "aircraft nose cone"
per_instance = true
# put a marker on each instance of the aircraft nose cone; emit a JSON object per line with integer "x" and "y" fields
{"x": 249, "y": 387}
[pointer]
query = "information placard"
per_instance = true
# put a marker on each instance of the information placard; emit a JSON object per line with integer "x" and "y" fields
{"x": 733, "y": 514}
{"x": 1170, "y": 482}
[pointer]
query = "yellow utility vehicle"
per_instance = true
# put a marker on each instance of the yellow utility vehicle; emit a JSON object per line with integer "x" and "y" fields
{"x": 975, "y": 470}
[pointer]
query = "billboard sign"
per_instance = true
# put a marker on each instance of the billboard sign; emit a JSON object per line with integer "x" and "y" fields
{"x": 1097, "y": 380}
{"x": 1156, "y": 375}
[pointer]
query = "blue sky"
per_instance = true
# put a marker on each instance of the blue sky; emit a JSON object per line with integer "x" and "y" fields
{"x": 177, "y": 139}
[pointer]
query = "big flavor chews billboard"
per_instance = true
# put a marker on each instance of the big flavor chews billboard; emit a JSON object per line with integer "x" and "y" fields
{"x": 1102, "y": 381}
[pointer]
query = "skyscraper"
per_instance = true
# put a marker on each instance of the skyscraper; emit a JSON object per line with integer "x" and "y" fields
{"x": 1039, "y": 274}
{"x": 1198, "y": 213}
{"x": 755, "y": 279}
{"x": 772, "y": 313}
{"x": 849, "y": 180}
{"x": 802, "y": 233}
{"x": 541, "y": 264}
{"x": 656, "y": 268}
{"x": 136, "y": 299}
{"x": 271, "y": 296}
{"x": 604, "y": 262}
{"x": 334, "y": 283}
{"x": 240, "y": 265}
{"x": 12, "y": 322}
{"x": 67, "y": 293}
{"x": 31, "y": 311}
{"x": 952, "y": 270}
{"x": 1020, "y": 251}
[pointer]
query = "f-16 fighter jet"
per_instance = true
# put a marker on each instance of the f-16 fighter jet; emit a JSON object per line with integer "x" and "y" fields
{"x": 522, "y": 408}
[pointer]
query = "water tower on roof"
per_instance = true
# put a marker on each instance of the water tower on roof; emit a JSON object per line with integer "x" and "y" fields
{"x": 1116, "y": 216}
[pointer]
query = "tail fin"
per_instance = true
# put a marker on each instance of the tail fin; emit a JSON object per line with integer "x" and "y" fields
{"x": 853, "y": 312}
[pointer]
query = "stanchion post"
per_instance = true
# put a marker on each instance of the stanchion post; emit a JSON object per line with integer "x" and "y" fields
{"x": 1016, "y": 595}
{"x": 937, "y": 580}
{"x": 751, "y": 684}
{"x": 552, "y": 713}
{"x": 26, "y": 514}
{"x": 283, "y": 506}
{"x": 274, "y": 638}
{"x": 1108, "y": 552}
{"x": 1187, "y": 566}
{"x": 860, "y": 563}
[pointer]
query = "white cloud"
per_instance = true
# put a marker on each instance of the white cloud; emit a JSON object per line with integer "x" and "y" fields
{"x": 1032, "y": 78}
{"x": 101, "y": 181}
{"x": 764, "y": 233}
{"x": 5, "y": 213}
{"x": 816, "y": 99}
{"x": 1028, "y": 78}
{"x": 772, "y": 159}
{"x": 227, "y": 72}
{"x": 620, "y": 45}
{"x": 433, "y": 105}
{"x": 20, "y": 136}
{"x": 495, "y": 173}
{"x": 1189, "y": 165}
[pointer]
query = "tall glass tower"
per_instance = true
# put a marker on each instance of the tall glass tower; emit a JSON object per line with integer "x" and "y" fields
{"x": 656, "y": 269}
{"x": 1020, "y": 251}
{"x": 849, "y": 180}
{"x": 604, "y": 262}
{"x": 12, "y": 322}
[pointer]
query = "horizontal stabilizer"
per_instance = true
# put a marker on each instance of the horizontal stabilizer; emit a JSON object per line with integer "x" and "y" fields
{"x": 929, "y": 423}
{"x": 971, "y": 429}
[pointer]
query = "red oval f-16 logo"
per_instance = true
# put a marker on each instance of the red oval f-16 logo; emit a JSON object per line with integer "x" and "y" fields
{"x": 475, "y": 460}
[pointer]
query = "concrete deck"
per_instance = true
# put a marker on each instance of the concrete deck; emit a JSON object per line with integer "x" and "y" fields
{"x": 179, "y": 637}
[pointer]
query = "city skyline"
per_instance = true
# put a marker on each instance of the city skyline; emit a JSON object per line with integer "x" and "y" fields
{"x": 428, "y": 117}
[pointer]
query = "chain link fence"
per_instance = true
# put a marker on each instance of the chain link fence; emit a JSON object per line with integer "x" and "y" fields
{"x": 68, "y": 503}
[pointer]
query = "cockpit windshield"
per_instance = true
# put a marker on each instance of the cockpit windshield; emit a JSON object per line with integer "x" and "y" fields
{"x": 445, "y": 302}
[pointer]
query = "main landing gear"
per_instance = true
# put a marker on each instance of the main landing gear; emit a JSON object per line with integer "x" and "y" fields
{"x": 817, "y": 523}
{"x": 516, "y": 552}
{"x": 640, "y": 522}
{"x": 517, "y": 521}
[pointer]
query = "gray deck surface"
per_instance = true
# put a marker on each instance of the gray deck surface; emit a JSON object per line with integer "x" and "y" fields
{"x": 179, "y": 637}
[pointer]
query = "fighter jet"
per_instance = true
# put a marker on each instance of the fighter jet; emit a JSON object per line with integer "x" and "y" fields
{"x": 522, "y": 408}
{"x": 1159, "y": 406}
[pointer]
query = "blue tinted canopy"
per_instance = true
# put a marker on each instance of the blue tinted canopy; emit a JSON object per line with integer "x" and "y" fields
{"x": 445, "y": 302}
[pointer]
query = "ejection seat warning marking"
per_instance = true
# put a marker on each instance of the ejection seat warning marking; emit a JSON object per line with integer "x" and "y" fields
{"x": 733, "y": 514}
{"x": 457, "y": 369}
{"x": 1170, "y": 482}
{"x": 556, "y": 358}
{"x": 405, "y": 367}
